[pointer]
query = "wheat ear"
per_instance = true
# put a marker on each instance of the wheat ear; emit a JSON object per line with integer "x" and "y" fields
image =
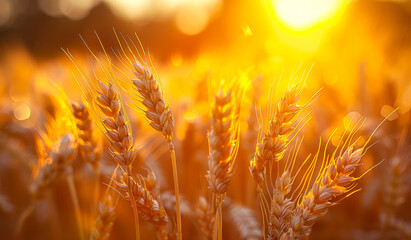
{"x": 88, "y": 145}
{"x": 223, "y": 147}
{"x": 205, "y": 217}
{"x": 401, "y": 226}
{"x": 161, "y": 119}
{"x": 118, "y": 132}
{"x": 333, "y": 182}
{"x": 106, "y": 215}
{"x": 54, "y": 168}
{"x": 117, "y": 128}
{"x": 274, "y": 143}
{"x": 395, "y": 189}
{"x": 246, "y": 225}
{"x": 148, "y": 206}
{"x": 396, "y": 186}
{"x": 281, "y": 208}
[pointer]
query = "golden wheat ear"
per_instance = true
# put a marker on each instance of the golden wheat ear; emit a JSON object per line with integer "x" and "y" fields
{"x": 148, "y": 206}
{"x": 205, "y": 218}
{"x": 89, "y": 147}
{"x": 157, "y": 110}
{"x": 245, "y": 222}
{"x": 106, "y": 216}
{"x": 223, "y": 147}
{"x": 271, "y": 148}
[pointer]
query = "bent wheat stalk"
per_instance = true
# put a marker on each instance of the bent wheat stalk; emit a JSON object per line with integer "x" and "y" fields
{"x": 160, "y": 118}
{"x": 118, "y": 132}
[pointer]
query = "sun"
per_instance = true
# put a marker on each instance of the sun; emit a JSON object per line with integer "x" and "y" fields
{"x": 300, "y": 15}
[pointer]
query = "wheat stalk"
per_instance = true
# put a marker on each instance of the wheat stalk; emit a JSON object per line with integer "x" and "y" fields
{"x": 161, "y": 119}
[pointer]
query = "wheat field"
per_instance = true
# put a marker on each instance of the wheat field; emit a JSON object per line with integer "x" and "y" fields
{"x": 252, "y": 127}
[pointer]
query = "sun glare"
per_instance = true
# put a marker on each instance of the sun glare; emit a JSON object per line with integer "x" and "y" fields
{"x": 302, "y": 14}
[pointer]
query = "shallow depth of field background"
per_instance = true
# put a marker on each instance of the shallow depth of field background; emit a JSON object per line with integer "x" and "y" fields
{"x": 358, "y": 52}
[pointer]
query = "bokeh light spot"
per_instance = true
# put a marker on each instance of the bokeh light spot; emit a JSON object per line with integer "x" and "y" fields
{"x": 22, "y": 112}
{"x": 5, "y": 11}
{"x": 192, "y": 20}
{"x": 386, "y": 110}
{"x": 350, "y": 120}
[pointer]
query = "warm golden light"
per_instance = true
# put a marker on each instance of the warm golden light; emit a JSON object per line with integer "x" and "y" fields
{"x": 303, "y": 14}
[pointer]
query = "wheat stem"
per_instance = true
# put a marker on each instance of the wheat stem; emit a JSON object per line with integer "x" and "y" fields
{"x": 176, "y": 190}
{"x": 24, "y": 216}
{"x": 76, "y": 205}
{"x": 135, "y": 211}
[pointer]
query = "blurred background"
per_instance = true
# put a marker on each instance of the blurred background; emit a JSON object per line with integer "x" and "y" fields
{"x": 344, "y": 39}
{"x": 358, "y": 51}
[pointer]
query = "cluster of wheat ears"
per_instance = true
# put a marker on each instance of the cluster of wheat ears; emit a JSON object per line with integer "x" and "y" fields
{"x": 291, "y": 195}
